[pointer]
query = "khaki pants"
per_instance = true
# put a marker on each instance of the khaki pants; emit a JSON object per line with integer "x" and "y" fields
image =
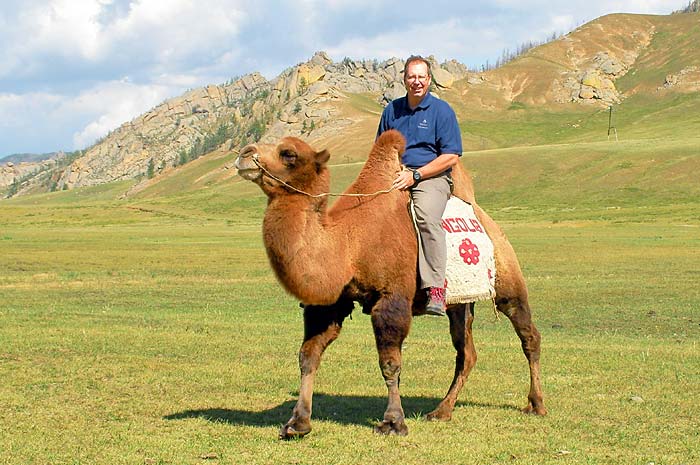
{"x": 430, "y": 197}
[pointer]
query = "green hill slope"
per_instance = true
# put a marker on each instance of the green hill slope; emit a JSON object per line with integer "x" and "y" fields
{"x": 524, "y": 150}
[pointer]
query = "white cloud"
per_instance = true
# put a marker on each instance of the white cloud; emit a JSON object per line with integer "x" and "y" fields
{"x": 153, "y": 33}
{"x": 348, "y": 4}
{"x": 15, "y": 109}
{"x": 63, "y": 62}
{"x": 176, "y": 28}
{"x": 109, "y": 105}
{"x": 62, "y": 28}
{"x": 70, "y": 23}
{"x": 450, "y": 39}
{"x": 95, "y": 112}
{"x": 593, "y": 7}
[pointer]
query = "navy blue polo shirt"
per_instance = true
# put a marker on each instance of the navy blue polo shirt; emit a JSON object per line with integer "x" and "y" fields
{"x": 430, "y": 129}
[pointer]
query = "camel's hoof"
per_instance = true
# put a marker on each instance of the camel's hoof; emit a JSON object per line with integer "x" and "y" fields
{"x": 289, "y": 431}
{"x": 439, "y": 415}
{"x": 388, "y": 428}
{"x": 532, "y": 410}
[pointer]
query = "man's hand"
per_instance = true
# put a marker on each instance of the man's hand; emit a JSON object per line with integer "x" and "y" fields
{"x": 404, "y": 180}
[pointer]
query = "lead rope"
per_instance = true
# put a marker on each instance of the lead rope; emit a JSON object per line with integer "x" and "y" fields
{"x": 325, "y": 194}
{"x": 315, "y": 196}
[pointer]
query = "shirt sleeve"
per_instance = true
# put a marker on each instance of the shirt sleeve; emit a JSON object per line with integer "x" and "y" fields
{"x": 449, "y": 137}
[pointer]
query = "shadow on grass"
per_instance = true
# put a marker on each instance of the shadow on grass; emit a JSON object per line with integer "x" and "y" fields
{"x": 355, "y": 410}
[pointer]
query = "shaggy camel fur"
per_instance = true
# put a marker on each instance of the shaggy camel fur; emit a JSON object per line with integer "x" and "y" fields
{"x": 364, "y": 250}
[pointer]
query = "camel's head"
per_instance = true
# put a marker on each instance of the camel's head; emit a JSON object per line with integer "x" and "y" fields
{"x": 292, "y": 162}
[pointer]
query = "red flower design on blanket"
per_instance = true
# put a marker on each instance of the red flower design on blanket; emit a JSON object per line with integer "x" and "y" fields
{"x": 469, "y": 252}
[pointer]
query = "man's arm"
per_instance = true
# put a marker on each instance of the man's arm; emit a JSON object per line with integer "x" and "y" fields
{"x": 440, "y": 164}
{"x": 447, "y": 160}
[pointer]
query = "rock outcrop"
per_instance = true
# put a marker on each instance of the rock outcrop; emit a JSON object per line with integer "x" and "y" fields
{"x": 20, "y": 175}
{"x": 686, "y": 80}
{"x": 595, "y": 83}
{"x": 598, "y": 54}
{"x": 300, "y": 101}
{"x": 320, "y": 97}
{"x": 161, "y": 135}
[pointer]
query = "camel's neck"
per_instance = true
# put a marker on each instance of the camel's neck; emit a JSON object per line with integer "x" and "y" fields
{"x": 308, "y": 256}
{"x": 292, "y": 221}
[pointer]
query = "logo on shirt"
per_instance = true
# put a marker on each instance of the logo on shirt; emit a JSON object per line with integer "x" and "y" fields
{"x": 423, "y": 124}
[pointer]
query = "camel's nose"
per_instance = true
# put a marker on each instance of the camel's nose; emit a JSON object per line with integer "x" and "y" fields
{"x": 247, "y": 152}
{"x": 247, "y": 163}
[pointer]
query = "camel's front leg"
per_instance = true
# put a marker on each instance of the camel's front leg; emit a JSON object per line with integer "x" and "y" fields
{"x": 322, "y": 326}
{"x": 391, "y": 320}
{"x": 461, "y": 318}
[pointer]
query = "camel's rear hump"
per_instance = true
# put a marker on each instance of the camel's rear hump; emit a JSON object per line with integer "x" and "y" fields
{"x": 463, "y": 186}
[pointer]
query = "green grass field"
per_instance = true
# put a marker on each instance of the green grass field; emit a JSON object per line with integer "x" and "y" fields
{"x": 151, "y": 330}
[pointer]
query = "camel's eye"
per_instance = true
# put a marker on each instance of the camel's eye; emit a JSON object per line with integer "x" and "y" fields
{"x": 288, "y": 157}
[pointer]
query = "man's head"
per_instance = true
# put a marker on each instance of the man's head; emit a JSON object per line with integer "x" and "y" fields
{"x": 416, "y": 78}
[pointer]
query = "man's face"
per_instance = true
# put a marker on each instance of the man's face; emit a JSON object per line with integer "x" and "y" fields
{"x": 417, "y": 80}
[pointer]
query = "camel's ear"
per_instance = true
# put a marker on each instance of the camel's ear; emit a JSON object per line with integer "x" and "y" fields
{"x": 322, "y": 158}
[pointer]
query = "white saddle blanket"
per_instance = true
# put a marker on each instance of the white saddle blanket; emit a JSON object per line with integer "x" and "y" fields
{"x": 471, "y": 266}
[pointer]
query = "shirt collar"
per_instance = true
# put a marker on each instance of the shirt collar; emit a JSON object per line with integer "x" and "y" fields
{"x": 425, "y": 103}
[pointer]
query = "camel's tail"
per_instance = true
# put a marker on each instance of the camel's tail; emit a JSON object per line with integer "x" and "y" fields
{"x": 463, "y": 186}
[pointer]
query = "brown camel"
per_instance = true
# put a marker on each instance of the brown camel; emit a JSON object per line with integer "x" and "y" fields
{"x": 364, "y": 249}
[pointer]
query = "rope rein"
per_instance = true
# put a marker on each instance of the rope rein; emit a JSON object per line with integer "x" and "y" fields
{"x": 315, "y": 196}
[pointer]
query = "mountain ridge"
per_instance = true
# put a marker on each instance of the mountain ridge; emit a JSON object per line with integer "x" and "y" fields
{"x": 597, "y": 65}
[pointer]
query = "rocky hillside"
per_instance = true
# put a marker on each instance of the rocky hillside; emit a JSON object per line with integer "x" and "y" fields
{"x": 301, "y": 101}
{"x": 597, "y": 65}
{"x": 14, "y": 169}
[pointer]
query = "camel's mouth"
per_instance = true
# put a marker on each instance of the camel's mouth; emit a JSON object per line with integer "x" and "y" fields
{"x": 250, "y": 174}
{"x": 247, "y": 168}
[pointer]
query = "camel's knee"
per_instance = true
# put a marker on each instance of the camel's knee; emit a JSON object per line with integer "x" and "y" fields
{"x": 322, "y": 326}
{"x": 465, "y": 360}
{"x": 309, "y": 359}
{"x": 391, "y": 321}
{"x": 466, "y": 352}
{"x": 528, "y": 333}
{"x": 511, "y": 306}
{"x": 313, "y": 347}
{"x": 518, "y": 312}
{"x": 531, "y": 343}
{"x": 391, "y": 369}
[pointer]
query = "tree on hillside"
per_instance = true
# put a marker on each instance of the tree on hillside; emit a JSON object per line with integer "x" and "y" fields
{"x": 256, "y": 131}
{"x": 13, "y": 189}
{"x": 693, "y": 7}
{"x": 508, "y": 55}
{"x": 182, "y": 158}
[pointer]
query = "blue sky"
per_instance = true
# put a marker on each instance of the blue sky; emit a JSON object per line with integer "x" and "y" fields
{"x": 72, "y": 70}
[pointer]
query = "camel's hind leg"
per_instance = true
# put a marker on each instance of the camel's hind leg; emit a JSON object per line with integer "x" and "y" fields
{"x": 461, "y": 318}
{"x": 391, "y": 321}
{"x": 511, "y": 291}
{"x": 322, "y": 326}
{"x": 511, "y": 300}
{"x": 518, "y": 311}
